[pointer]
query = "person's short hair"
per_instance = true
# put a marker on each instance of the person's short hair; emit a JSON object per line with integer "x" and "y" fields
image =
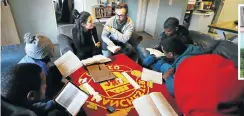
{"x": 19, "y": 80}
{"x": 171, "y": 23}
{"x": 122, "y": 5}
{"x": 174, "y": 45}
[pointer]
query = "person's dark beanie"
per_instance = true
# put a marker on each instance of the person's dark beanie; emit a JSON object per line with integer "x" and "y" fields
{"x": 173, "y": 44}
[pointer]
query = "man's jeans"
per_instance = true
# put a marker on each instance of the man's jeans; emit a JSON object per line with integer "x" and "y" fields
{"x": 126, "y": 48}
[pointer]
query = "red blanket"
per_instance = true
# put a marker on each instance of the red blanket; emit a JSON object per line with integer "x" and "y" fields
{"x": 116, "y": 94}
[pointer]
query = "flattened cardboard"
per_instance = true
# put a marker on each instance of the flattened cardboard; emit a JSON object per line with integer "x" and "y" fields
{"x": 100, "y": 73}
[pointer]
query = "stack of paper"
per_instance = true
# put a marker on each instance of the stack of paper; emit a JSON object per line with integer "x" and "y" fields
{"x": 96, "y": 59}
{"x": 153, "y": 76}
{"x": 113, "y": 49}
{"x": 154, "y": 104}
{"x": 68, "y": 63}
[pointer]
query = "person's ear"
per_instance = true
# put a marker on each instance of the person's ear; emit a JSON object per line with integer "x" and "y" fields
{"x": 31, "y": 95}
{"x": 83, "y": 25}
{"x": 176, "y": 28}
{"x": 171, "y": 54}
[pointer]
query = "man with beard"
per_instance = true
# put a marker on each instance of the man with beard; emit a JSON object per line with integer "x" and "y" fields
{"x": 117, "y": 31}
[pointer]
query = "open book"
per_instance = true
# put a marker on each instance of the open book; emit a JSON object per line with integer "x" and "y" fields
{"x": 113, "y": 49}
{"x": 153, "y": 76}
{"x": 71, "y": 98}
{"x": 68, "y": 63}
{"x": 155, "y": 52}
{"x": 153, "y": 104}
{"x": 96, "y": 59}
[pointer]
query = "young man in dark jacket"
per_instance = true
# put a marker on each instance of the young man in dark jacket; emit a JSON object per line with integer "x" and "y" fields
{"x": 171, "y": 29}
{"x": 23, "y": 89}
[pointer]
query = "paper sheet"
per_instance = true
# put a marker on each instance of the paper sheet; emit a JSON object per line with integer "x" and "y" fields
{"x": 152, "y": 76}
{"x": 162, "y": 104}
{"x": 71, "y": 98}
{"x": 145, "y": 106}
{"x": 155, "y": 52}
{"x": 153, "y": 104}
{"x": 132, "y": 82}
{"x": 68, "y": 63}
{"x": 113, "y": 49}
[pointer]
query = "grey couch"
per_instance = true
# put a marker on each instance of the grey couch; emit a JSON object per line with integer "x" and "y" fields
{"x": 66, "y": 43}
{"x": 208, "y": 44}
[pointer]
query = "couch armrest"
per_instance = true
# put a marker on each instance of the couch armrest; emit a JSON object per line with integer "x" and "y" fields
{"x": 135, "y": 39}
{"x": 65, "y": 44}
{"x": 207, "y": 42}
{"x": 228, "y": 50}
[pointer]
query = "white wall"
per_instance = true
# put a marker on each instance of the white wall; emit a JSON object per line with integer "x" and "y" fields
{"x": 79, "y": 5}
{"x": 35, "y": 16}
{"x": 230, "y": 10}
{"x": 177, "y": 10}
{"x": 9, "y": 35}
{"x": 89, "y": 4}
{"x": 132, "y": 10}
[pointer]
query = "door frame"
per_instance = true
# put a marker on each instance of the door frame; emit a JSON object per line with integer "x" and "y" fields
{"x": 141, "y": 15}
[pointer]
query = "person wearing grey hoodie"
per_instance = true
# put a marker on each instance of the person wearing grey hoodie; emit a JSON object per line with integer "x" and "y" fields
{"x": 117, "y": 31}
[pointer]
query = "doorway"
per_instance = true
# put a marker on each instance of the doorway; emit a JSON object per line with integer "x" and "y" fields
{"x": 151, "y": 16}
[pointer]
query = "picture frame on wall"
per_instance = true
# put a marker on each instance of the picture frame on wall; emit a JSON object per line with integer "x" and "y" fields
{"x": 241, "y": 41}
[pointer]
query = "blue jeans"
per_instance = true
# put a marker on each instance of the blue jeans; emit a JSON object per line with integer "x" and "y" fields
{"x": 156, "y": 66}
{"x": 142, "y": 53}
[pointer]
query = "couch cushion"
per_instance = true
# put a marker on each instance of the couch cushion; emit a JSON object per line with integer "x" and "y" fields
{"x": 228, "y": 50}
{"x": 206, "y": 41}
{"x": 66, "y": 30}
